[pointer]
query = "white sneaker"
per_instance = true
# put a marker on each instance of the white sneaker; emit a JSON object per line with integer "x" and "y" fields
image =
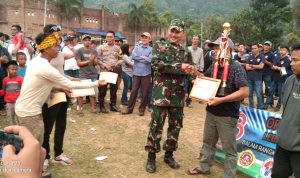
{"x": 46, "y": 165}
{"x": 63, "y": 159}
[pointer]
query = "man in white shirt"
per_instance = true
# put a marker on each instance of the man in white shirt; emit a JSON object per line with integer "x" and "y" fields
{"x": 18, "y": 43}
{"x": 70, "y": 67}
{"x": 40, "y": 78}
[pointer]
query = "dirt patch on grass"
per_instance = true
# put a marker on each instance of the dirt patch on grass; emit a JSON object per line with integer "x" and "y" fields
{"x": 122, "y": 139}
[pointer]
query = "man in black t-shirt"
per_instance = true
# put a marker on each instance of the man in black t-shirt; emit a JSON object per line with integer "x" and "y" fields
{"x": 222, "y": 114}
{"x": 269, "y": 59}
{"x": 254, "y": 67}
{"x": 280, "y": 71}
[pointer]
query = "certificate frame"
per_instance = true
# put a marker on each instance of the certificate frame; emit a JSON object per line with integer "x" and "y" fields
{"x": 84, "y": 91}
{"x": 109, "y": 77}
{"x": 205, "y": 88}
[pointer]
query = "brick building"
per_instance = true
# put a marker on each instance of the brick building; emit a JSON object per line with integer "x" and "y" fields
{"x": 29, "y": 14}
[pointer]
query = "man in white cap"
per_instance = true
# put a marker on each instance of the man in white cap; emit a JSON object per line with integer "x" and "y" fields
{"x": 141, "y": 56}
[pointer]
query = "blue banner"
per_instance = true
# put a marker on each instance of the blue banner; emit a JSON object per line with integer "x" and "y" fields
{"x": 256, "y": 142}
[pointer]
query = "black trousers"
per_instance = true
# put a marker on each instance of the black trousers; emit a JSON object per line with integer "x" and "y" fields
{"x": 55, "y": 114}
{"x": 113, "y": 94}
{"x": 286, "y": 163}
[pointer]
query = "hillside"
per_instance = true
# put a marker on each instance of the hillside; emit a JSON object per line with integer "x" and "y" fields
{"x": 192, "y": 8}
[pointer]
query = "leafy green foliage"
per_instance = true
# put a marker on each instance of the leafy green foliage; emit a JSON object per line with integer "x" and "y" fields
{"x": 296, "y": 12}
{"x": 244, "y": 29}
{"x": 269, "y": 17}
{"x": 192, "y": 8}
{"x": 70, "y": 9}
{"x": 251, "y": 20}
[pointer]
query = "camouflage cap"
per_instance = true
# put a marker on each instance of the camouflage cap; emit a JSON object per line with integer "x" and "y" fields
{"x": 177, "y": 24}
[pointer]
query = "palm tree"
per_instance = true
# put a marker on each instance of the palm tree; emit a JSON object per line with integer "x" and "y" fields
{"x": 70, "y": 9}
{"x": 164, "y": 20}
{"x": 136, "y": 18}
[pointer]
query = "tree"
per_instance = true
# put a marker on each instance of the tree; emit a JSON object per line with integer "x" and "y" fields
{"x": 296, "y": 12}
{"x": 213, "y": 27}
{"x": 152, "y": 15}
{"x": 70, "y": 9}
{"x": 164, "y": 20}
{"x": 136, "y": 18}
{"x": 244, "y": 29}
{"x": 269, "y": 17}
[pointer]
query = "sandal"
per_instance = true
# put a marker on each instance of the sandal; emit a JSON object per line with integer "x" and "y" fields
{"x": 196, "y": 171}
{"x": 80, "y": 114}
{"x": 94, "y": 111}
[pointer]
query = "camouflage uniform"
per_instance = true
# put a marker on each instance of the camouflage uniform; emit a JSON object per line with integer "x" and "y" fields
{"x": 168, "y": 94}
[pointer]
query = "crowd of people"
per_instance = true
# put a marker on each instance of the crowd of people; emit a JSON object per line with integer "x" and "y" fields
{"x": 160, "y": 74}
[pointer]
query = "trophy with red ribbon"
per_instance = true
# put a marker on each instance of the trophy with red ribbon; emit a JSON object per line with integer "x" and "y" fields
{"x": 222, "y": 57}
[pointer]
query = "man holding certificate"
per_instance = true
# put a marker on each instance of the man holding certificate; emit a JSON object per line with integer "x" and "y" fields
{"x": 222, "y": 111}
{"x": 40, "y": 79}
{"x": 170, "y": 64}
{"x": 109, "y": 62}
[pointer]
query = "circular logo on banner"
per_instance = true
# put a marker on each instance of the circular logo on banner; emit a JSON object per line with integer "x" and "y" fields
{"x": 266, "y": 168}
{"x": 246, "y": 158}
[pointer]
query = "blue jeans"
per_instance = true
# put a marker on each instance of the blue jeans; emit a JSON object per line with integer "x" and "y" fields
{"x": 257, "y": 86}
{"x": 279, "y": 85}
{"x": 267, "y": 80}
{"x": 127, "y": 81}
{"x": 72, "y": 73}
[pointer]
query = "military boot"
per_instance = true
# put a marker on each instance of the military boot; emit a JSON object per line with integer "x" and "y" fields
{"x": 150, "y": 166}
{"x": 170, "y": 160}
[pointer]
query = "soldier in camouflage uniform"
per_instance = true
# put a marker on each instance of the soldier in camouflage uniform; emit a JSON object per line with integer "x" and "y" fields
{"x": 171, "y": 62}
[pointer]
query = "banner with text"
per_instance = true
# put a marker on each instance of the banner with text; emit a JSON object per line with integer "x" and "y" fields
{"x": 256, "y": 138}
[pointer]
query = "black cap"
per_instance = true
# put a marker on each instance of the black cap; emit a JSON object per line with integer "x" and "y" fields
{"x": 284, "y": 46}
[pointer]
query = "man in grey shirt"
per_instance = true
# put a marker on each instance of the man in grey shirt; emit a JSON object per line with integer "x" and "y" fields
{"x": 287, "y": 154}
{"x": 197, "y": 53}
{"x": 86, "y": 58}
{"x": 198, "y": 60}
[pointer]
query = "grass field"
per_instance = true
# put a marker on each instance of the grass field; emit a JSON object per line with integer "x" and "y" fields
{"x": 122, "y": 139}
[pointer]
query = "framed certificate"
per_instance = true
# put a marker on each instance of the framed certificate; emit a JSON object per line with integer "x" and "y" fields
{"x": 83, "y": 92}
{"x": 109, "y": 77}
{"x": 205, "y": 88}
